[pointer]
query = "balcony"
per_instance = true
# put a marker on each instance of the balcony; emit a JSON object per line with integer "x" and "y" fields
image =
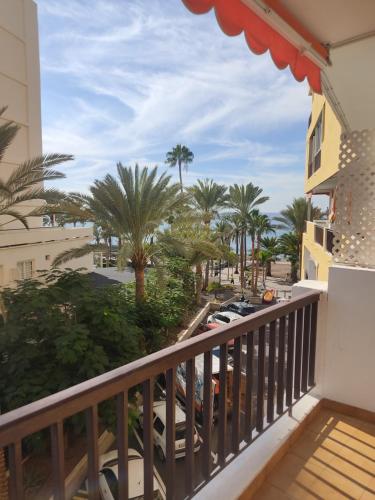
{"x": 295, "y": 417}
{"x": 273, "y": 368}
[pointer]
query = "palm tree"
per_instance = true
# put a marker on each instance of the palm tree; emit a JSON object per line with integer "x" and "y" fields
{"x": 207, "y": 198}
{"x": 262, "y": 226}
{"x": 242, "y": 200}
{"x": 25, "y": 183}
{"x": 223, "y": 232}
{"x": 133, "y": 206}
{"x": 289, "y": 246}
{"x": 270, "y": 245}
{"x": 181, "y": 156}
{"x": 294, "y": 217}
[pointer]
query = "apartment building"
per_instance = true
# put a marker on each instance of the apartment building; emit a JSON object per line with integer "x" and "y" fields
{"x": 321, "y": 169}
{"x": 22, "y": 251}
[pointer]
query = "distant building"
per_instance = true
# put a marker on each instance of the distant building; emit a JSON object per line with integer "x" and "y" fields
{"x": 23, "y": 251}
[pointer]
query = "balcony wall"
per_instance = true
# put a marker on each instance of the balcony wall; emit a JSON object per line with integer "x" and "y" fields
{"x": 314, "y": 254}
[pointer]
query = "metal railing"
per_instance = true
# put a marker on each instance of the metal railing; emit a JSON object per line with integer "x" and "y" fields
{"x": 273, "y": 366}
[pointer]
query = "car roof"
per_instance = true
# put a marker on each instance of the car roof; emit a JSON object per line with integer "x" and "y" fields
{"x": 160, "y": 409}
{"x": 240, "y": 304}
{"x": 113, "y": 455}
{"x": 228, "y": 314}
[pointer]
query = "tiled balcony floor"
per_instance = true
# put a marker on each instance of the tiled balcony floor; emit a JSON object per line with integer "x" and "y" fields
{"x": 333, "y": 458}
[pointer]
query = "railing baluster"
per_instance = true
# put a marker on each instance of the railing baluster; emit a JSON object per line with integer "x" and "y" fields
{"x": 260, "y": 390}
{"x": 123, "y": 444}
{"x": 249, "y": 385}
{"x": 281, "y": 367}
{"x": 314, "y": 314}
{"x": 236, "y": 394}
{"x": 148, "y": 439}
{"x": 271, "y": 372}
{"x": 305, "y": 351}
{"x": 92, "y": 451}
{"x": 290, "y": 359}
{"x": 16, "y": 473}
{"x": 223, "y": 404}
{"x": 298, "y": 356}
{"x": 58, "y": 465}
{"x": 171, "y": 433}
{"x": 207, "y": 414}
{"x": 190, "y": 422}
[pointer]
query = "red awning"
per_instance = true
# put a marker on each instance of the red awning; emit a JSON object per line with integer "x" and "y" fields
{"x": 234, "y": 18}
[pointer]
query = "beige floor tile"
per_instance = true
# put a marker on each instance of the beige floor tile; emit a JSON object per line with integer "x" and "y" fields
{"x": 342, "y": 483}
{"x": 356, "y": 473}
{"x": 311, "y": 446}
{"x": 269, "y": 492}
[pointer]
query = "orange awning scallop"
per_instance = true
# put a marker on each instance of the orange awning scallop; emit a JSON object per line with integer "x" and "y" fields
{"x": 234, "y": 18}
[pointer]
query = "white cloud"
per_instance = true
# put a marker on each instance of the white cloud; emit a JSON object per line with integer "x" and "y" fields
{"x": 138, "y": 77}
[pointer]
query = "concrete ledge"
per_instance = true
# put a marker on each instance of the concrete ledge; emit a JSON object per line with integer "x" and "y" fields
{"x": 246, "y": 473}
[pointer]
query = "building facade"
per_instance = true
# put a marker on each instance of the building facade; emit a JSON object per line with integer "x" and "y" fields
{"x": 22, "y": 251}
{"x": 321, "y": 169}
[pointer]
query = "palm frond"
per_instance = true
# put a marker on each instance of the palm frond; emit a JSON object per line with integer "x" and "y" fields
{"x": 76, "y": 253}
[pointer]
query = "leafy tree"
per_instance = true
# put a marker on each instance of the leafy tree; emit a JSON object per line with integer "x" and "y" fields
{"x": 180, "y": 156}
{"x": 25, "y": 183}
{"x": 242, "y": 200}
{"x": 263, "y": 226}
{"x": 294, "y": 217}
{"x": 133, "y": 206}
{"x": 57, "y": 331}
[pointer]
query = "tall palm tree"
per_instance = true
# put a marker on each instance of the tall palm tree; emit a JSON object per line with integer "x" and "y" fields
{"x": 223, "y": 232}
{"x": 293, "y": 218}
{"x": 207, "y": 198}
{"x": 242, "y": 200}
{"x": 134, "y": 205}
{"x": 181, "y": 156}
{"x": 25, "y": 183}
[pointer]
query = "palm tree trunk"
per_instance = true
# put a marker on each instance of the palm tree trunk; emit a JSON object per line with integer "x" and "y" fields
{"x": 206, "y": 275}
{"x": 139, "y": 283}
{"x": 252, "y": 262}
{"x": 268, "y": 267}
{"x": 242, "y": 270}
{"x": 236, "y": 271}
{"x": 180, "y": 173}
{"x": 198, "y": 283}
{"x": 245, "y": 244}
{"x": 3, "y": 477}
{"x": 219, "y": 271}
{"x": 257, "y": 266}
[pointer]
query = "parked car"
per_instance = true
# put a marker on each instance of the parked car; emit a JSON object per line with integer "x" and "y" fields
{"x": 241, "y": 308}
{"x": 108, "y": 476}
{"x": 160, "y": 430}
{"x": 223, "y": 318}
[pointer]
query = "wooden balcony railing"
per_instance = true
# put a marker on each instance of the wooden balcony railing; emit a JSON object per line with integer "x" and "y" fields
{"x": 273, "y": 366}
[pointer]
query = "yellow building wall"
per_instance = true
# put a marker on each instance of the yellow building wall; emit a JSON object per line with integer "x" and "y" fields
{"x": 330, "y": 146}
{"x": 318, "y": 254}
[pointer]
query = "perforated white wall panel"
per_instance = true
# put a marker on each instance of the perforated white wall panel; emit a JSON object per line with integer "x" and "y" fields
{"x": 354, "y": 227}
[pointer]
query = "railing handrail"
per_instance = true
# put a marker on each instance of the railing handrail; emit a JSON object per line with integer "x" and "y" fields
{"x": 38, "y": 415}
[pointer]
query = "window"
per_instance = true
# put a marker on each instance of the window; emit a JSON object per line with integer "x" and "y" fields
{"x": 112, "y": 482}
{"x": 315, "y": 144}
{"x": 48, "y": 257}
{"x": 25, "y": 269}
{"x": 159, "y": 426}
{"x": 222, "y": 318}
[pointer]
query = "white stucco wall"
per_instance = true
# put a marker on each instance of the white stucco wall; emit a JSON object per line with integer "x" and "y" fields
{"x": 345, "y": 360}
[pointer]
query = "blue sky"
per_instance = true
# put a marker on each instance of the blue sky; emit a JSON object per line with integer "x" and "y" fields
{"x": 127, "y": 80}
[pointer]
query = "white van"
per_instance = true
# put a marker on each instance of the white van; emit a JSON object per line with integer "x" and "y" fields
{"x": 160, "y": 430}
